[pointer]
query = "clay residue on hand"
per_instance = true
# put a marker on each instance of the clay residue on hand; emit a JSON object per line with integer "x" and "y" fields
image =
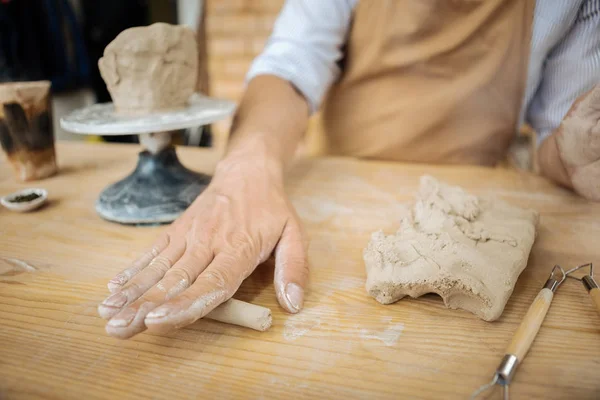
{"x": 468, "y": 250}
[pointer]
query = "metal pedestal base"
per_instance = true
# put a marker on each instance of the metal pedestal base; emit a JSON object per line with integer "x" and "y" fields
{"x": 157, "y": 191}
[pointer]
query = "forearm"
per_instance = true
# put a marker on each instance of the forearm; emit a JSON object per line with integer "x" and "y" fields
{"x": 268, "y": 124}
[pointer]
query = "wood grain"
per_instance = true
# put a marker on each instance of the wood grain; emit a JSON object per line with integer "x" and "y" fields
{"x": 343, "y": 345}
{"x": 595, "y": 295}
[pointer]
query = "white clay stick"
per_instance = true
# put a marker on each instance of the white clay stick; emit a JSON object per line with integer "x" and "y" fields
{"x": 240, "y": 313}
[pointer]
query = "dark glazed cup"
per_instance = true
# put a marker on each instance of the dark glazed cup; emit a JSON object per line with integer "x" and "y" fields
{"x": 26, "y": 132}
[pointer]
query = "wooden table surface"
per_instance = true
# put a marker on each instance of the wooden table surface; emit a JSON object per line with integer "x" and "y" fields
{"x": 343, "y": 345}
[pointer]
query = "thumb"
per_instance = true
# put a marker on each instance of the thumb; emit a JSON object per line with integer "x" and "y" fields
{"x": 291, "y": 267}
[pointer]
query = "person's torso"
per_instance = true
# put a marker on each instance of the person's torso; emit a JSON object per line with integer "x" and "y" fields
{"x": 438, "y": 81}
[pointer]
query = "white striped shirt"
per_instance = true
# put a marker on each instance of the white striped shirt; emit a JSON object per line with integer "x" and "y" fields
{"x": 564, "y": 61}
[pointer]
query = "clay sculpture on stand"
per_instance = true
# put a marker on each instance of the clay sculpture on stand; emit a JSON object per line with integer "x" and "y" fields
{"x": 151, "y": 74}
{"x": 152, "y": 68}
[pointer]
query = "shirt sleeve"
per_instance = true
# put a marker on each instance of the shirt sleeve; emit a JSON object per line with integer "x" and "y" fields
{"x": 571, "y": 68}
{"x": 305, "y": 46}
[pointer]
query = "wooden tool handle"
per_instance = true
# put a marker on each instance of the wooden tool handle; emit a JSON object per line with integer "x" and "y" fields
{"x": 595, "y": 295}
{"x": 524, "y": 336}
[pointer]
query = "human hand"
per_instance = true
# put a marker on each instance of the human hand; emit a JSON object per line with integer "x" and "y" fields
{"x": 578, "y": 143}
{"x": 200, "y": 261}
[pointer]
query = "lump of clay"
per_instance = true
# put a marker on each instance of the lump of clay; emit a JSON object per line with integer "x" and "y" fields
{"x": 151, "y": 68}
{"x": 468, "y": 250}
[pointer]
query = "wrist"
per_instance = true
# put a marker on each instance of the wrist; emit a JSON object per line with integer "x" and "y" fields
{"x": 251, "y": 156}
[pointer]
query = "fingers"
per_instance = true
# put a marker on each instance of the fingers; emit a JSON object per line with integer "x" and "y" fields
{"x": 291, "y": 267}
{"x": 130, "y": 321}
{"x": 216, "y": 284}
{"x": 143, "y": 280}
{"x": 142, "y": 262}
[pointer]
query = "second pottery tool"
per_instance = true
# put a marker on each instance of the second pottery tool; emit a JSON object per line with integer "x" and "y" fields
{"x": 525, "y": 334}
{"x": 588, "y": 282}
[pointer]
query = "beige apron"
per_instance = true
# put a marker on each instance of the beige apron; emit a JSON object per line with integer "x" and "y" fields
{"x": 437, "y": 81}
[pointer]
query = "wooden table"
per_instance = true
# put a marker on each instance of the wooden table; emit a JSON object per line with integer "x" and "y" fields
{"x": 343, "y": 345}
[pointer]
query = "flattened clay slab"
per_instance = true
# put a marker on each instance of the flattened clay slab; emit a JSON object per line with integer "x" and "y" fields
{"x": 469, "y": 250}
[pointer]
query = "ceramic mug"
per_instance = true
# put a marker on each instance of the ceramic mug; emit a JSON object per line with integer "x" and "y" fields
{"x": 26, "y": 131}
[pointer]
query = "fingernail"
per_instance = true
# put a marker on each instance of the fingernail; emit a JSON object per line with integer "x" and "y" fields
{"x": 123, "y": 319}
{"x": 119, "y": 279}
{"x": 116, "y": 282}
{"x": 116, "y": 300}
{"x": 158, "y": 313}
{"x": 295, "y": 296}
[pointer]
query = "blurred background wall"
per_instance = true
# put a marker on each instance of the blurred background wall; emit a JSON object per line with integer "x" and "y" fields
{"x": 62, "y": 40}
{"x": 230, "y": 34}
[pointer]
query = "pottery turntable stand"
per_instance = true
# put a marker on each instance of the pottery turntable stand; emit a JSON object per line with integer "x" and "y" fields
{"x": 160, "y": 188}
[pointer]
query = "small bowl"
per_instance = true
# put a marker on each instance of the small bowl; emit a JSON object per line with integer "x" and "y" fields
{"x": 24, "y": 206}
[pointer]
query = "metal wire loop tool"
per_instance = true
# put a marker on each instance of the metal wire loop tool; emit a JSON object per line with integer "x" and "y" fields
{"x": 588, "y": 282}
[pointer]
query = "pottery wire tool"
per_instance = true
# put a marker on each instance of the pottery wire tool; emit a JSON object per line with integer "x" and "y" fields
{"x": 160, "y": 188}
{"x": 588, "y": 282}
{"x": 525, "y": 335}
